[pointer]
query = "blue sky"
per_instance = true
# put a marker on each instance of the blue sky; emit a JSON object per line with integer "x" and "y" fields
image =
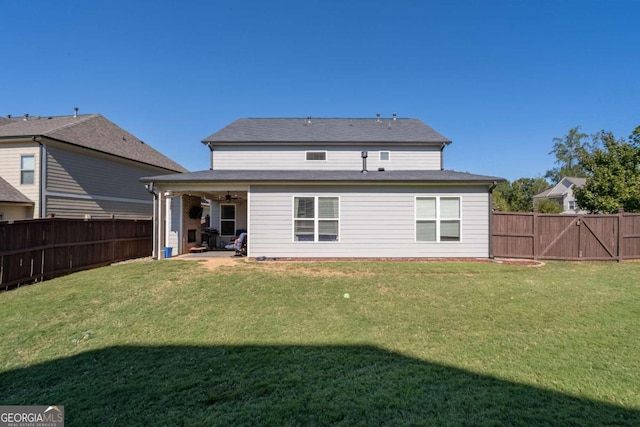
{"x": 499, "y": 78}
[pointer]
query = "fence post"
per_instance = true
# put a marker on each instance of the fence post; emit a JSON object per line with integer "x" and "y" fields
{"x": 536, "y": 243}
{"x": 620, "y": 251}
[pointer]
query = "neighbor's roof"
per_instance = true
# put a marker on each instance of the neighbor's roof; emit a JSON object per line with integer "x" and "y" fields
{"x": 90, "y": 131}
{"x": 8, "y": 193}
{"x": 344, "y": 177}
{"x": 559, "y": 189}
{"x": 327, "y": 130}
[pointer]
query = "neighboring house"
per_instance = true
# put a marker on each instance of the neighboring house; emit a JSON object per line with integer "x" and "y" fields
{"x": 75, "y": 166}
{"x": 330, "y": 188}
{"x": 562, "y": 193}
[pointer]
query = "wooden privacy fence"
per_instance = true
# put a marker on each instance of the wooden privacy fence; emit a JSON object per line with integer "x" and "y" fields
{"x": 613, "y": 237}
{"x": 41, "y": 249}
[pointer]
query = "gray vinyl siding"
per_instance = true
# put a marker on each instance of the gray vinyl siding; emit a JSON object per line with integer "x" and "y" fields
{"x": 78, "y": 208}
{"x": 338, "y": 158}
{"x": 80, "y": 182}
{"x": 374, "y": 222}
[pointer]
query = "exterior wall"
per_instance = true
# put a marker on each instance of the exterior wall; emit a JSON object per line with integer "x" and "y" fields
{"x": 375, "y": 221}
{"x": 10, "y": 212}
{"x": 81, "y": 182}
{"x": 188, "y": 223}
{"x": 338, "y": 158}
{"x": 10, "y": 170}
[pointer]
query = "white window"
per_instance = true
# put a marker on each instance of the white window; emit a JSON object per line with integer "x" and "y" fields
{"x": 437, "y": 219}
{"x": 227, "y": 220}
{"x": 316, "y": 219}
{"x": 316, "y": 155}
{"x": 385, "y": 156}
{"x": 572, "y": 204}
{"x": 27, "y": 169}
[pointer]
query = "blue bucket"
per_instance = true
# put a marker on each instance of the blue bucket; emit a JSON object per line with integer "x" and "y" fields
{"x": 167, "y": 252}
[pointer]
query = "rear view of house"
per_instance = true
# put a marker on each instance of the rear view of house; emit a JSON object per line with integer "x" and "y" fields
{"x": 303, "y": 187}
{"x": 75, "y": 166}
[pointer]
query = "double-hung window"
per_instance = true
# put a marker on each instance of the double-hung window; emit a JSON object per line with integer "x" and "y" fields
{"x": 316, "y": 219}
{"x": 316, "y": 155}
{"x": 437, "y": 219}
{"x": 27, "y": 169}
{"x": 227, "y": 220}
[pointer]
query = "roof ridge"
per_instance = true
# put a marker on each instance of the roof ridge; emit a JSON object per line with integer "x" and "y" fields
{"x": 84, "y": 118}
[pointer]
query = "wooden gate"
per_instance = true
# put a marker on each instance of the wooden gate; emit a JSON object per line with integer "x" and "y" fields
{"x": 581, "y": 237}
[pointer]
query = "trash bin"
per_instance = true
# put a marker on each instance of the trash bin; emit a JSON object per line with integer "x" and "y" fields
{"x": 167, "y": 252}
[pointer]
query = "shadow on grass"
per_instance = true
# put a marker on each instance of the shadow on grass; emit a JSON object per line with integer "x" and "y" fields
{"x": 287, "y": 385}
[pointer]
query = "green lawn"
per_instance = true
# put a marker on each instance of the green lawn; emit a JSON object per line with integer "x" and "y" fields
{"x": 275, "y": 343}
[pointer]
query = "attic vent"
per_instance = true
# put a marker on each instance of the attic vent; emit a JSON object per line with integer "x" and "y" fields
{"x": 26, "y": 116}
{"x": 395, "y": 116}
{"x": 377, "y": 117}
{"x": 308, "y": 120}
{"x": 75, "y": 111}
{"x": 8, "y": 116}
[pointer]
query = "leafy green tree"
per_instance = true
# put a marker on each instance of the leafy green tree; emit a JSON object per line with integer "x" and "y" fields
{"x": 518, "y": 195}
{"x": 613, "y": 174}
{"x": 567, "y": 151}
{"x": 549, "y": 206}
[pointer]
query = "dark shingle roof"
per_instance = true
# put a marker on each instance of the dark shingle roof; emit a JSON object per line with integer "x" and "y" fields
{"x": 327, "y": 130}
{"x": 293, "y": 176}
{"x": 91, "y": 131}
{"x": 8, "y": 193}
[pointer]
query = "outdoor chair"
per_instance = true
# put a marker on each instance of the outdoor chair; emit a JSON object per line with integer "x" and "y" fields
{"x": 239, "y": 245}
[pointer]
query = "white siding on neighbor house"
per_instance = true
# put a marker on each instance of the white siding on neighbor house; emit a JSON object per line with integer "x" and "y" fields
{"x": 112, "y": 184}
{"x": 374, "y": 222}
{"x": 10, "y": 212}
{"x": 10, "y": 169}
{"x": 338, "y": 158}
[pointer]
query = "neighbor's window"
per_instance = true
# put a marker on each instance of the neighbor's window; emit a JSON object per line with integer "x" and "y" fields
{"x": 227, "y": 220}
{"x": 316, "y": 155}
{"x": 27, "y": 169}
{"x": 437, "y": 219}
{"x": 572, "y": 204}
{"x": 384, "y": 156}
{"x": 316, "y": 219}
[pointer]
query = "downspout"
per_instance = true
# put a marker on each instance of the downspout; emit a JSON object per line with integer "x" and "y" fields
{"x": 491, "y": 188}
{"x": 210, "y": 155}
{"x": 442, "y": 156}
{"x": 42, "y": 178}
{"x": 151, "y": 189}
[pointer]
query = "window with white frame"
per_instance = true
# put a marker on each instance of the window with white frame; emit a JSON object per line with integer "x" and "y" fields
{"x": 385, "y": 156}
{"x": 572, "y": 204}
{"x": 227, "y": 220}
{"x": 437, "y": 219}
{"x": 316, "y": 219}
{"x": 316, "y": 155}
{"x": 27, "y": 169}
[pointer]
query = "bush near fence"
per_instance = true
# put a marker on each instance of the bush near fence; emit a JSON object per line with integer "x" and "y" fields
{"x": 41, "y": 249}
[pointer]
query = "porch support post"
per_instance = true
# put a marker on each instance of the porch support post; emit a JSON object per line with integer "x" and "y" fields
{"x": 167, "y": 235}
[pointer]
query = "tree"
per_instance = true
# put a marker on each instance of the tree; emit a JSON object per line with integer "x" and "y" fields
{"x": 567, "y": 151}
{"x": 613, "y": 174}
{"x": 518, "y": 196}
{"x": 549, "y": 206}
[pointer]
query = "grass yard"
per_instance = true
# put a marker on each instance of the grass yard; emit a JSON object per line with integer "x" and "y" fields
{"x": 275, "y": 343}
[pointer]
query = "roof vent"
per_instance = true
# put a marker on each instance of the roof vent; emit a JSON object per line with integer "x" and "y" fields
{"x": 8, "y": 116}
{"x": 308, "y": 120}
{"x": 378, "y": 117}
{"x": 395, "y": 116}
{"x": 75, "y": 111}
{"x": 26, "y": 117}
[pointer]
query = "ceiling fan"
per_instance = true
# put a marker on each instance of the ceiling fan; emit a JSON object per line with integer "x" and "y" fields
{"x": 229, "y": 198}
